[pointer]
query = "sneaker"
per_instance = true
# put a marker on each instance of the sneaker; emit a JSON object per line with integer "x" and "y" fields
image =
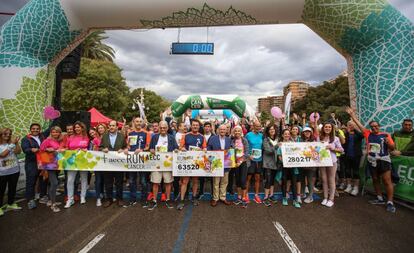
{"x": 144, "y": 204}
{"x": 49, "y": 203}
{"x": 247, "y": 199}
{"x": 299, "y": 199}
{"x": 69, "y": 203}
{"x": 130, "y": 203}
{"x": 180, "y": 205}
{"x": 257, "y": 199}
{"x": 316, "y": 189}
{"x": 336, "y": 193}
{"x": 296, "y": 204}
{"x": 152, "y": 205}
{"x": 285, "y": 202}
{"x": 377, "y": 202}
{"x": 43, "y": 200}
{"x": 273, "y": 198}
{"x": 200, "y": 196}
{"x": 306, "y": 190}
{"x": 169, "y": 204}
{"x": 31, "y": 204}
{"x": 83, "y": 200}
{"x": 390, "y": 207}
{"x": 355, "y": 191}
{"x": 237, "y": 202}
{"x": 348, "y": 189}
{"x": 244, "y": 204}
{"x": 324, "y": 201}
{"x": 37, "y": 196}
{"x": 329, "y": 203}
{"x": 177, "y": 197}
{"x": 267, "y": 202}
{"x": 14, "y": 207}
{"x": 195, "y": 201}
{"x": 1, "y": 212}
{"x": 308, "y": 200}
{"x": 98, "y": 202}
{"x": 163, "y": 197}
{"x": 55, "y": 209}
{"x": 342, "y": 186}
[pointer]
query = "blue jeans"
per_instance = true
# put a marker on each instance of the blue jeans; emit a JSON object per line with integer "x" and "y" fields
{"x": 99, "y": 184}
{"x": 143, "y": 178}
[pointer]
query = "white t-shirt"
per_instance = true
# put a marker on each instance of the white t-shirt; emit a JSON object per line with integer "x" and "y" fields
{"x": 37, "y": 139}
{"x": 178, "y": 137}
{"x": 9, "y": 164}
{"x": 162, "y": 144}
{"x": 207, "y": 136}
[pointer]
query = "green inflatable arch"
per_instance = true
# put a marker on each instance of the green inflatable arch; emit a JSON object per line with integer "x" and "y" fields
{"x": 376, "y": 40}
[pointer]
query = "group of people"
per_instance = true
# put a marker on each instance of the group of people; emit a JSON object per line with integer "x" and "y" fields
{"x": 258, "y": 159}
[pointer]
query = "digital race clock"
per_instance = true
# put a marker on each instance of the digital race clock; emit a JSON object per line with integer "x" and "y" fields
{"x": 192, "y": 48}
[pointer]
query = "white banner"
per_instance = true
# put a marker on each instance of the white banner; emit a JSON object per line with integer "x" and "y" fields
{"x": 305, "y": 154}
{"x": 198, "y": 164}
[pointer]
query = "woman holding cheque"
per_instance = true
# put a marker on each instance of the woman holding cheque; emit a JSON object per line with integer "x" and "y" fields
{"x": 52, "y": 145}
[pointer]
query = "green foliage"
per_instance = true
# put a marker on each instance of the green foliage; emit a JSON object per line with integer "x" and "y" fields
{"x": 331, "y": 97}
{"x": 94, "y": 48}
{"x": 100, "y": 84}
{"x": 154, "y": 104}
{"x": 265, "y": 116}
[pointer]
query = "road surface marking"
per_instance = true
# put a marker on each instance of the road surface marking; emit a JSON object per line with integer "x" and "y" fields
{"x": 289, "y": 242}
{"x": 92, "y": 243}
{"x": 183, "y": 230}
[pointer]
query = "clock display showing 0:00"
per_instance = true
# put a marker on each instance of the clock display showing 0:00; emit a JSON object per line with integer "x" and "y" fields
{"x": 193, "y": 48}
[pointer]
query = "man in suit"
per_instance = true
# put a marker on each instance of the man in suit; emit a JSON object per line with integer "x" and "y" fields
{"x": 217, "y": 143}
{"x": 113, "y": 141}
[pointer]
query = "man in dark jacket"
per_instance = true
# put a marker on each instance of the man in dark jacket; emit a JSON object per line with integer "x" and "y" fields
{"x": 404, "y": 139}
{"x": 162, "y": 142}
{"x": 113, "y": 141}
{"x": 218, "y": 143}
{"x": 30, "y": 146}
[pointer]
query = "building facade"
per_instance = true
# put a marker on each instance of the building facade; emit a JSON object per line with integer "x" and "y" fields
{"x": 299, "y": 89}
{"x": 266, "y": 103}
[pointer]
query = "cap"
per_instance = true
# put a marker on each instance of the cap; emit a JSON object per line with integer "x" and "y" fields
{"x": 307, "y": 129}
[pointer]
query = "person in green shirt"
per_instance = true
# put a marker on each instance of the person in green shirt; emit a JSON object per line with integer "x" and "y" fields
{"x": 404, "y": 139}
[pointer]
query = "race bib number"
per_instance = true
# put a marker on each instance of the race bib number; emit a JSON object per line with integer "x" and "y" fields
{"x": 133, "y": 140}
{"x": 239, "y": 153}
{"x": 256, "y": 153}
{"x": 194, "y": 148}
{"x": 374, "y": 148}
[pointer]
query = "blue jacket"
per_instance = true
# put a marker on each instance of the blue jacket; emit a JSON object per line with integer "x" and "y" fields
{"x": 172, "y": 144}
{"x": 214, "y": 143}
{"x": 28, "y": 143}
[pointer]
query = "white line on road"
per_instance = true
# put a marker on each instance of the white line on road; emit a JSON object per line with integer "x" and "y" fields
{"x": 289, "y": 242}
{"x": 92, "y": 243}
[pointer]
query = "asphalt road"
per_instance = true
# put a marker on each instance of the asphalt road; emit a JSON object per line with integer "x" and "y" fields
{"x": 352, "y": 225}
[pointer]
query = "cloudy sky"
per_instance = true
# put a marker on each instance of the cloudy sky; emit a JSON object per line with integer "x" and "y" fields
{"x": 251, "y": 61}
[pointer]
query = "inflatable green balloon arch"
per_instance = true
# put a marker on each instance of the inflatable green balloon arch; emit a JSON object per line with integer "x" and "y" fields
{"x": 376, "y": 40}
{"x": 206, "y": 102}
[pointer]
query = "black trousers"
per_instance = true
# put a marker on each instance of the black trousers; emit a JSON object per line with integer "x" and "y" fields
{"x": 9, "y": 181}
{"x": 110, "y": 177}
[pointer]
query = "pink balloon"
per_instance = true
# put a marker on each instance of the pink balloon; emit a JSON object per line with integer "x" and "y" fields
{"x": 50, "y": 113}
{"x": 312, "y": 117}
{"x": 276, "y": 112}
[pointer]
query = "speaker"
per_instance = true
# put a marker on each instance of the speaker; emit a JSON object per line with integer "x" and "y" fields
{"x": 70, "y": 65}
{"x": 70, "y": 117}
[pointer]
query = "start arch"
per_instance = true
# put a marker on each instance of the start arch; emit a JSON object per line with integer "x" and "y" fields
{"x": 376, "y": 40}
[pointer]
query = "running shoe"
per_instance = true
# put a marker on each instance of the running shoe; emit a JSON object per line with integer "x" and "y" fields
{"x": 330, "y": 203}
{"x": 55, "y": 208}
{"x": 390, "y": 207}
{"x": 296, "y": 204}
{"x": 150, "y": 196}
{"x": 247, "y": 199}
{"x": 306, "y": 190}
{"x": 348, "y": 189}
{"x": 355, "y": 191}
{"x": 200, "y": 196}
{"x": 308, "y": 200}
{"x": 244, "y": 204}
{"x": 342, "y": 186}
{"x": 237, "y": 202}
{"x": 43, "y": 200}
{"x": 285, "y": 202}
{"x": 144, "y": 204}
{"x": 316, "y": 189}
{"x": 163, "y": 197}
{"x": 98, "y": 202}
{"x": 273, "y": 198}
{"x": 69, "y": 203}
{"x": 257, "y": 199}
{"x": 324, "y": 201}
{"x": 83, "y": 200}
{"x": 299, "y": 199}
{"x": 14, "y": 207}
{"x": 195, "y": 201}
{"x": 169, "y": 204}
{"x": 377, "y": 202}
{"x": 130, "y": 203}
{"x": 267, "y": 202}
{"x": 31, "y": 204}
{"x": 152, "y": 205}
{"x": 180, "y": 205}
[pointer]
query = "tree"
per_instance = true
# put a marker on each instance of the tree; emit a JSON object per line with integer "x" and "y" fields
{"x": 94, "y": 48}
{"x": 331, "y": 97}
{"x": 264, "y": 116}
{"x": 99, "y": 84}
{"x": 154, "y": 104}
